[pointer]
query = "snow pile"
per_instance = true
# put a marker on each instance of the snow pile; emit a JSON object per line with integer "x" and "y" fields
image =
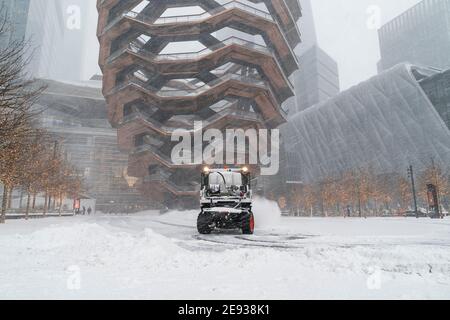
{"x": 91, "y": 243}
{"x": 163, "y": 257}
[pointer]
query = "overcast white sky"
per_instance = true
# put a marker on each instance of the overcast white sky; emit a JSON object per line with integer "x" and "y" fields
{"x": 346, "y": 29}
{"x": 343, "y": 31}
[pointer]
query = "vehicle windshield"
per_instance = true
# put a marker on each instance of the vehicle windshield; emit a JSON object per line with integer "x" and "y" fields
{"x": 231, "y": 179}
{"x": 225, "y": 183}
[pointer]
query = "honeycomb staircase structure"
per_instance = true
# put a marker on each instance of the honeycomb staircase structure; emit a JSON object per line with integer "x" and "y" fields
{"x": 169, "y": 63}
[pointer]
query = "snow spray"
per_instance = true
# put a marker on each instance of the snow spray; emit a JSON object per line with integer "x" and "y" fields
{"x": 267, "y": 213}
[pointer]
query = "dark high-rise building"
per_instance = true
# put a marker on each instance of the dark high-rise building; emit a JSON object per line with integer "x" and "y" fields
{"x": 55, "y": 30}
{"x": 421, "y": 36}
{"x": 437, "y": 88}
{"x": 165, "y": 68}
{"x": 60, "y": 31}
{"x": 318, "y": 76}
{"x": 16, "y": 11}
{"x": 317, "y": 79}
{"x": 45, "y": 32}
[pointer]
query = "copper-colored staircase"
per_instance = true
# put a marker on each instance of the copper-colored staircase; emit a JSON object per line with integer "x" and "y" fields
{"x": 233, "y": 83}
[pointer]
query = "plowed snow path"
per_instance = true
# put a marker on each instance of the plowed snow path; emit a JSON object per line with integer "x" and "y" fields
{"x": 163, "y": 257}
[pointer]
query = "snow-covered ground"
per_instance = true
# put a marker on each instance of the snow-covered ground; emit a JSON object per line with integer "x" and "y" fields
{"x": 162, "y": 257}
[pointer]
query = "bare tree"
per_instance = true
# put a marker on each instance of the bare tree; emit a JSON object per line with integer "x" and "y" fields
{"x": 17, "y": 96}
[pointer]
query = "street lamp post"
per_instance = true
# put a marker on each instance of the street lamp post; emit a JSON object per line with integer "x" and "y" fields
{"x": 413, "y": 186}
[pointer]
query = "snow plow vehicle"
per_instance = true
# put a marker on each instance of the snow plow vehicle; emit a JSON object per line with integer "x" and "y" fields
{"x": 226, "y": 201}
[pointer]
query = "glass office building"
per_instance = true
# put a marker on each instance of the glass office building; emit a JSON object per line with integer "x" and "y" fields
{"x": 45, "y": 31}
{"x": 318, "y": 77}
{"x": 16, "y": 12}
{"x": 61, "y": 31}
{"x": 77, "y": 116}
{"x": 419, "y": 36}
{"x": 317, "y": 80}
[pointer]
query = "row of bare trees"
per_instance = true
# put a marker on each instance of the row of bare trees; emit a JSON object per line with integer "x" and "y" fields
{"x": 366, "y": 194}
{"x": 29, "y": 157}
{"x": 36, "y": 166}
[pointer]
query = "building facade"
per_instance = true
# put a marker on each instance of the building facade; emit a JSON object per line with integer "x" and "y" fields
{"x": 57, "y": 31}
{"x": 61, "y": 31}
{"x": 437, "y": 88}
{"x": 16, "y": 13}
{"x": 317, "y": 80}
{"x": 45, "y": 32}
{"x": 77, "y": 116}
{"x": 307, "y": 26}
{"x": 318, "y": 76}
{"x": 420, "y": 36}
{"x": 164, "y": 72}
{"x": 385, "y": 123}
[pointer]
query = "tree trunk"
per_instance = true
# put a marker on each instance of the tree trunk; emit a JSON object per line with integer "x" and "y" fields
{"x": 4, "y": 204}
{"x": 10, "y": 199}
{"x": 21, "y": 199}
{"x": 359, "y": 206}
{"x": 45, "y": 204}
{"x": 34, "y": 201}
{"x": 49, "y": 203}
{"x": 60, "y": 204}
{"x": 376, "y": 208}
{"x": 322, "y": 208}
{"x": 27, "y": 212}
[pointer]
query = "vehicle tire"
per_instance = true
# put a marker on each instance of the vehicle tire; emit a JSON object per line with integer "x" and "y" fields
{"x": 203, "y": 223}
{"x": 248, "y": 225}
